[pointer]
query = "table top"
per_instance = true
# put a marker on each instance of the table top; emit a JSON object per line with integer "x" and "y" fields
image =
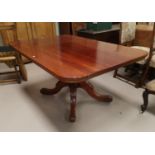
{"x": 75, "y": 59}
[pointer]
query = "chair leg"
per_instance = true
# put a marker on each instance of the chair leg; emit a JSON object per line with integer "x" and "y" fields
{"x": 17, "y": 74}
{"x": 145, "y": 100}
{"x": 115, "y": 73}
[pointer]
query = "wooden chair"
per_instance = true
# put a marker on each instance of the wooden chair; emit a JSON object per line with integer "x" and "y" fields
{"x": 127, "y": 36}
{"x": 8, "y": 55}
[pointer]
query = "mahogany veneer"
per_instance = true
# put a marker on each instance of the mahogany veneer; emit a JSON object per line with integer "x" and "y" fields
{"x": 74, "y": 60}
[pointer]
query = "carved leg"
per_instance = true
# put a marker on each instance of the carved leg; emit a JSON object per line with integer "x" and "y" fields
{"x": 59, "y": 86}
{"x": 72, "y": 115}
{"x": 90, "y": 90}
{"x": 145, "y": 99}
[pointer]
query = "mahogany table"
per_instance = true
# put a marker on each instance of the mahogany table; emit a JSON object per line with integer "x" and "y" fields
{"x": 74, "y": 60}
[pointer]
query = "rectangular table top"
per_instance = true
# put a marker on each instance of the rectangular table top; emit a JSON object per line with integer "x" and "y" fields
{"x": 75, "y": 59}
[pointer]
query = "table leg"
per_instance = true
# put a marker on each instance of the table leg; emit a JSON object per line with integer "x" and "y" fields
{"x": 88, "y": 87}
{"x": 58, "y": 87}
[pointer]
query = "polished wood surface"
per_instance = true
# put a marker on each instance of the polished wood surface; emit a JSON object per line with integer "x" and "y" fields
{"x": 76, "y": 59}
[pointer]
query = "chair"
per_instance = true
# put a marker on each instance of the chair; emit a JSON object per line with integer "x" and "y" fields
{"x": 8, "y": 55}
{"x": 140, "y": 68}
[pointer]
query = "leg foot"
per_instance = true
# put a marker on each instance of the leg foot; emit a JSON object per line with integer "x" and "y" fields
{"x": 59, "y": 86}
{"x": 90, "y": 90}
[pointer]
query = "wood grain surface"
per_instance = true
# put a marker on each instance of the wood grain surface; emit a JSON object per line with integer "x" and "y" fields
{"x": 76, "y": 59}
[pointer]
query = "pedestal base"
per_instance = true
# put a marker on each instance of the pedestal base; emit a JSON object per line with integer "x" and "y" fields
{"x": 73, "y": 89}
